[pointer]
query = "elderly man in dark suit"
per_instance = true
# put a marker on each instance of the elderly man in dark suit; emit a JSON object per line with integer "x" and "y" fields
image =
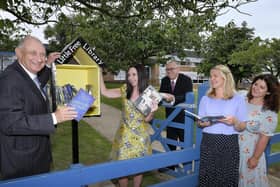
{"x": 178, "y": 85}
{"x": 25, "y": 118}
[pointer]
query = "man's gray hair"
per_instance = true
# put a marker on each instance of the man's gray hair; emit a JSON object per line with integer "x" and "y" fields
{"x": 27, "y": 37}
{"x": 171, "y": 61}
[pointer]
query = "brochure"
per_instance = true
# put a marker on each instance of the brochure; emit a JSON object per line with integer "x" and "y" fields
{"x": 82, "y": 101}
{"x": 144, "y": 102}
{"x": 211, "y": 119}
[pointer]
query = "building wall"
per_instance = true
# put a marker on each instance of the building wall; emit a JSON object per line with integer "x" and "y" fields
{"x": 6, "y": 58}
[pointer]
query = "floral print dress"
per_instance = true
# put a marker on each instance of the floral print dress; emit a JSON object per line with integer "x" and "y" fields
{"x": 259, "y": 122}
{"x": 132, "y": 138}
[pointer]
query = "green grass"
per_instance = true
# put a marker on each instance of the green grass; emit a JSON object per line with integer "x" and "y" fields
{"x": 112, "y": 102}
{"x": 93, "y": 147}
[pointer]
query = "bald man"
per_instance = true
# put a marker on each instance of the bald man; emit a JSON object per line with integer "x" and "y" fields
{"x": 25, "y": 118}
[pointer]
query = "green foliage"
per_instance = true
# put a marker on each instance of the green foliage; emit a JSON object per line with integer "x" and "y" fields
{"x": 9, "y": 35}
{"x": 223, "y": 42}
{"x": 258, "y": 57}
{"x": 122, "y": 42}
{"x": 272, "y": 56}
{"x": 123, "y": 32}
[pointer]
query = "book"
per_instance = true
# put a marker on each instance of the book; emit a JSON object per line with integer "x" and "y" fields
{"x": 211, "y": 119}
{"x": 82, "y": 101}
{"x": 144, "y": 102}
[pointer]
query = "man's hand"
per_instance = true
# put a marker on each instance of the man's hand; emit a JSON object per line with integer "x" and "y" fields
{"x": 52, "y": 57}
{"x": 168, "y": 97}
{"x": 65, "y": 113}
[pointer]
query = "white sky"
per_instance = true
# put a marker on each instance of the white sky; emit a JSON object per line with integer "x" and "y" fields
{"x": 265, "y": 15}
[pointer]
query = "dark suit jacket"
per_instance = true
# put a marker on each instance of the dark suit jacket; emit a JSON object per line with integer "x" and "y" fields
{"x": 183, "y": 85}
{"x": 25, "y": 124}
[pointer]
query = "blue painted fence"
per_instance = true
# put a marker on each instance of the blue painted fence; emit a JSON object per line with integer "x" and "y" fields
{"x": 188, "y": 157}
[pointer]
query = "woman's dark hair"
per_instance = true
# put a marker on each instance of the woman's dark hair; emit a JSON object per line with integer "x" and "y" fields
{"x": 142, "y": 80}
{"x": 271, "y": 100}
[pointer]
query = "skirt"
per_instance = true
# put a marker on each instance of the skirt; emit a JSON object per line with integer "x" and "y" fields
{"x": 219, "y": 160}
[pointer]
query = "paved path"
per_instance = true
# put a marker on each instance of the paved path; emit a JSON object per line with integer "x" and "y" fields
{"x": 107, "y": 125}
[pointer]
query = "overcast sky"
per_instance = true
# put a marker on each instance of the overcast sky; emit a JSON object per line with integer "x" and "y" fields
{"x": 265, "y": 15}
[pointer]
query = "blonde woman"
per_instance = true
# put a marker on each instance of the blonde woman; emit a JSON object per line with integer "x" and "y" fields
{"x": 219, "y": 154}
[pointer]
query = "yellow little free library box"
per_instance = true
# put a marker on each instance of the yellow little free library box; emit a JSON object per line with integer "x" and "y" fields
{"x": 78, "y": 65}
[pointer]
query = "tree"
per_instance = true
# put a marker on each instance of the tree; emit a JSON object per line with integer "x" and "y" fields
{"x": 135, "y": 29}
{"x": 223, "y": 42}
{"x": 273, "y": 57}
{"x": 249, "y": 58}
{"x": 260, "y": 56}
{"x": 38, "y": 12}
{"x": 9, "y": 35}
{"x": 121, "y": 43}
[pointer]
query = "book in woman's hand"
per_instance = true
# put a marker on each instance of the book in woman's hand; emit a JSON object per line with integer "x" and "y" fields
{"x": 212, "y": 119}
{"x": 144, "y": 102}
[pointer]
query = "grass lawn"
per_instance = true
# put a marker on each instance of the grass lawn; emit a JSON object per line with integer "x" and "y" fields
{"x": 93, "y": 147}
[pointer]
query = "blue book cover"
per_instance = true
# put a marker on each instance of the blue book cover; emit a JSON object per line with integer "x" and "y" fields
{"x": 82, "y": 101}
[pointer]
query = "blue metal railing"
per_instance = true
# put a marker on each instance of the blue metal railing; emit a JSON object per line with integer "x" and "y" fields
{"x": 272, "y": 157}
{"x": 79, "y": 175}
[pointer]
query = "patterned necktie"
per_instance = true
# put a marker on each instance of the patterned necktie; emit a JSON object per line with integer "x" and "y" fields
{"x": 38, "y": 84}
{"x": 172, "y": 85}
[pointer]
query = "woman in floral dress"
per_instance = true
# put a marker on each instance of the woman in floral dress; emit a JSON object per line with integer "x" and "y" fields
{"x": 132, "y": 139}
{"x": 262, "y": 106}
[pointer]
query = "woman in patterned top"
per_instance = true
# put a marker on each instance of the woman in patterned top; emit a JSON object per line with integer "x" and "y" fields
{"x": 132, "y": 139}
{"x": 263, "y": 106}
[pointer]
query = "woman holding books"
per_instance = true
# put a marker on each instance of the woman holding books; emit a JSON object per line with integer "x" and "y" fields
{"x": 132, "y": 138}
{"x": 219, "y": 150}
{"x": 263, "y": 102}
